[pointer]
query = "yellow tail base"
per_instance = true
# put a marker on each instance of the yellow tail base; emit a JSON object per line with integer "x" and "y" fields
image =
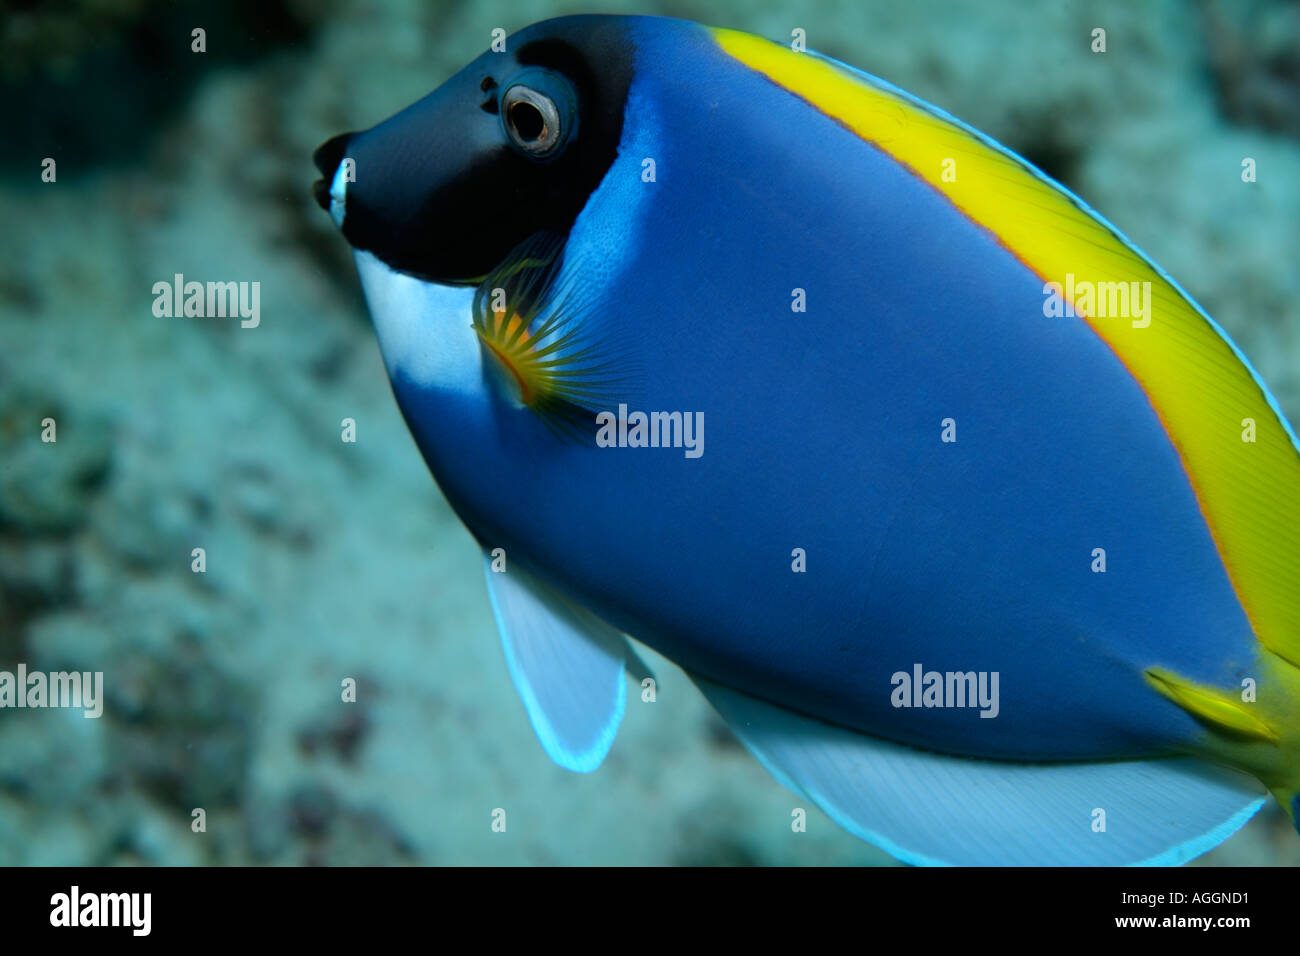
{"x": 1255, "y": 728}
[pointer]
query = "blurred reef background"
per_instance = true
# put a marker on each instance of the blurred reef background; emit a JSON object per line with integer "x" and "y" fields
{"x": 327, "y": 560}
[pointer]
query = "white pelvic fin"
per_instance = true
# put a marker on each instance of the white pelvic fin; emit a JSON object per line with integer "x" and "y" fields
{"x": 933, "y": 809}
{"x": 566, "y": 663}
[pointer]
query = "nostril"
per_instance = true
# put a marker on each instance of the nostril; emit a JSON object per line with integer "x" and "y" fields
{"x": 330, "y": 153}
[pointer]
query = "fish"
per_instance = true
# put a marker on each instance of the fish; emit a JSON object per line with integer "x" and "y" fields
{"x": 991, "y": 550}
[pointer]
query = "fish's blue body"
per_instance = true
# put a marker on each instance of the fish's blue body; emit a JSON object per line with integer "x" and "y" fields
{"x": 823, "y": 432}
{"x": 905, "y": 463}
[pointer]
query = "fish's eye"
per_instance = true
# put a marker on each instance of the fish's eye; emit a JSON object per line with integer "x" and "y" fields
{"x": 538, "y": 114}
{"x": 532, "y": 120}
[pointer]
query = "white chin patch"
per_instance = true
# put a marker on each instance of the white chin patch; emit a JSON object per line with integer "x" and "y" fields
{"x": 424, "y": 328}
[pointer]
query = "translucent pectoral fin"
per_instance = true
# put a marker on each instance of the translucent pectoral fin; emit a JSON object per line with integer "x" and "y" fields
{"x": 545, "y": 348}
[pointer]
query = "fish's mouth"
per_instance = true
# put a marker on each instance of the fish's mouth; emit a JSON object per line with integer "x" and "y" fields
{"x": 320, "y": 191}
{"x": 330, "y": 192}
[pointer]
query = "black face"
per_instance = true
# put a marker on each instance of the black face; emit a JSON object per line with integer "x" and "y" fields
{"x": 510, "y": 146}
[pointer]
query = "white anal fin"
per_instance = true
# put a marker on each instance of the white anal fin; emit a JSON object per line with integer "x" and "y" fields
{"x": 566, "y": 663}
{"x": 933, "y": 809}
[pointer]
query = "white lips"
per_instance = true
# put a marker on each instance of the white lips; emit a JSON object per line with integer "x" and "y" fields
{"x": 339, "y": 193}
